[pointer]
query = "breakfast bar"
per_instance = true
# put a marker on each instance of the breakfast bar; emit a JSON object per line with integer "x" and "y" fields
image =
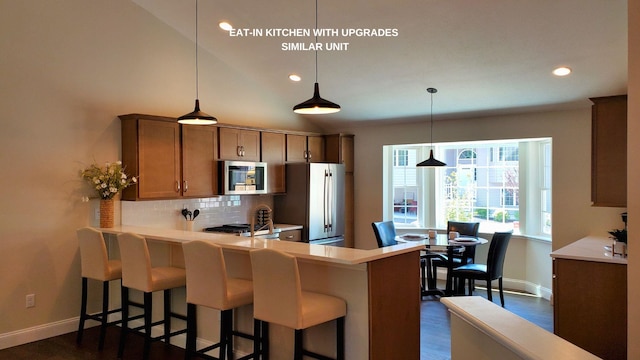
{"x": 380, "y": 286}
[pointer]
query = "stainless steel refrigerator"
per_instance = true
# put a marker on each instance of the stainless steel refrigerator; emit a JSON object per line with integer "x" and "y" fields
{"x": 314, "y": 199}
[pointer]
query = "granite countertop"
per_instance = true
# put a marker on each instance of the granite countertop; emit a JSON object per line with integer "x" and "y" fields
{"x": 590, "y": 248}
{"x": 331, "y": 254}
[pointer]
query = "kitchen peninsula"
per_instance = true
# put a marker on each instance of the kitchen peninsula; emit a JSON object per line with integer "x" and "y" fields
{"x": 590, "y": 297}
{"x": 380, "y": 286}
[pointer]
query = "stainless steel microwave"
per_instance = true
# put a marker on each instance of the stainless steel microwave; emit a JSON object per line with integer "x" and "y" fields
{"x": 243, "y": 177}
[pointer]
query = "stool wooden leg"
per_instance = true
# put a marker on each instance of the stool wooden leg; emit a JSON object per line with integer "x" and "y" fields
{"x": 148, "y": 311}
{"x": 105, "y": 314}
{"x": 340, "y": 338}
{"x": 167, "y": 316}
{"x": 192, "y": 331}
{"x": 297, "y": 347}
{"x": 83, "y": 311}
{"x": 257, "y": 338}
{"x": 265, "y": 341}
{"x": 501, "y": 292}
{"x": 125, "y": 320}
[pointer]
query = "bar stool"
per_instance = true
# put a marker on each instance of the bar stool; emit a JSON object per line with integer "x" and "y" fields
{"x": 208, "y": 285}
{"x": 138, "y": 274}
{"x": 95, "y": 264}
{"x": 288, "y": 305}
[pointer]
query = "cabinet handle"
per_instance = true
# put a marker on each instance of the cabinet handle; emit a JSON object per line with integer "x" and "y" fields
{"x": 185, "y": 185}
{"x": 178, "y": 186}
{"x": 304, "y": 154}
{"x": 289, "y": 237}
{"x": 242, "y": 151}
{"x": 238, "y": 151}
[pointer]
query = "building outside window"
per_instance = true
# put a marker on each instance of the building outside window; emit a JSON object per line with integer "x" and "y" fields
{"x": 489, "y": 182}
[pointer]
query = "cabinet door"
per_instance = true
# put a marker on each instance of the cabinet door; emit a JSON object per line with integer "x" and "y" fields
{"x": 315, "y": 149}
{"x": 296, "y": 148}
{"x": 158, "y": 159}
{"x": 199, "y": 171}
{"x": 590, "y": 306}
{"x": 273, "y": 153}
{"x": 609, "y": 151}
{"x": 238, "y": 144}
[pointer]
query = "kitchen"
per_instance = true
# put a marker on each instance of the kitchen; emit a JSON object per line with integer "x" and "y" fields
{"x": 42, "y": 181}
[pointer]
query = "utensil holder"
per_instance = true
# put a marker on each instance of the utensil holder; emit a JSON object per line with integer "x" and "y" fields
{"x": 189, "y": 225}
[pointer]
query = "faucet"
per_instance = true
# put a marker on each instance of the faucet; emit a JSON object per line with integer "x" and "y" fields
{"x": 269, "y": 218}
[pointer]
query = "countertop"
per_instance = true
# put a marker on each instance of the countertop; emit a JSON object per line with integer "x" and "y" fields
{"x": 590, "y": 248}
{"x": 520, "y": 336}
{"x": 332, "y": 254}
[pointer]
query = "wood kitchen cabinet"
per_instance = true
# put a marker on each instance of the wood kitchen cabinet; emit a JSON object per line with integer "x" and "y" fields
{"x": 590, "y": 305}
{"x": 170, "y": 160}
{"x": 609, "y": 151}
{"x": 303, "y": 148}
{"x": 239, "y": 144}
{"x": 273, "y": 149}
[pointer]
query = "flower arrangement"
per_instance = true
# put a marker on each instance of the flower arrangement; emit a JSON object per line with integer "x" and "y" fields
{"x": 108, "y": 180}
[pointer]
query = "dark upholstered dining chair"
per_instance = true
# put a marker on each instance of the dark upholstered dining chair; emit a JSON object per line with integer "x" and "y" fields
{"x": 385, "y": 233}
{"x": 488, "y": 272}
{"x": 467, "y": 256}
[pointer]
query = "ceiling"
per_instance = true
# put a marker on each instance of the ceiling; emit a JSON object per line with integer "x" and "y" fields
{"x": 485, "y": 58}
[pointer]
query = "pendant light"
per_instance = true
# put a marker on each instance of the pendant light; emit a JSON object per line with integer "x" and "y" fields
{"x": 197, "y": 117}
{"x": 316, "y": 105}
{"x": 431, "y": 161}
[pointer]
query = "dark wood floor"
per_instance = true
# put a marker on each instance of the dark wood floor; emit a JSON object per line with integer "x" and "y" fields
{"x": 434, "y": 337}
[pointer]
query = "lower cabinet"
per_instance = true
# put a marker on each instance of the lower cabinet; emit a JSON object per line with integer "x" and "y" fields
{"x": 590, "y": 306}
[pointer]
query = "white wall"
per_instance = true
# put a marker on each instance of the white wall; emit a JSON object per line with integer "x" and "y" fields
{"x": 68, "y": 68}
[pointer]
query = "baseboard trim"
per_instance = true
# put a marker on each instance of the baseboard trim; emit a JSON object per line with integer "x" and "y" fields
{"x": 514, "y": 284}
{"x": 40, "y": 332}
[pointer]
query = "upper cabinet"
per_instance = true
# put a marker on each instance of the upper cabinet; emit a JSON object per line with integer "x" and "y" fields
{"x": 170, "y": 160}
{"x": 609, "y": 151}
{"x": 274, "y": 154}
{"x": 303, "y": 148}
{"x": 239, "y": 144}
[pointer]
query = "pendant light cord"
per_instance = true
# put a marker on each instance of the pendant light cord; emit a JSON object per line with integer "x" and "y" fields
{"x": 197, "y": 85}
{"x": 316, "y": 36}
{"x": 431, "y": 119}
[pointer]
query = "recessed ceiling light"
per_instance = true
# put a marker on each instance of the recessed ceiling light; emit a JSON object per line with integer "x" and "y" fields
{"x": 294, "y": 77}
{"x": 561, "y": 71}
{"x": 225, "y": 26}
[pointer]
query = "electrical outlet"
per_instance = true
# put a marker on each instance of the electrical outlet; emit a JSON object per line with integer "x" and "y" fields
{"x": 31, "y": 300}
{"x": 97, "y": 214}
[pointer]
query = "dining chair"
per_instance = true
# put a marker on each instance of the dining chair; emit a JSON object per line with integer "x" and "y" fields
{"x": 488, "y": 272}
{"x": 385, "y": 233}
{"x": 465, "y": 257}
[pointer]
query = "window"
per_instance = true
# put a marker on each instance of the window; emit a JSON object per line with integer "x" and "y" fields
{"x": 484, "y": 181}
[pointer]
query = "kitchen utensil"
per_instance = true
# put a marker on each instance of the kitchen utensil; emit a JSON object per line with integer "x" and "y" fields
{"x": 190, "y": 214}
{"x": 196, "y": 212}
{"x": 185, "y": 212}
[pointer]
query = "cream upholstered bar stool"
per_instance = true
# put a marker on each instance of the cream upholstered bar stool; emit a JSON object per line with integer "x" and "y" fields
{"x": 138, "y": 274}
{"x": 288, "y": 305}
{"x": 209, "y": 285}
{"x": 95, "y": 264}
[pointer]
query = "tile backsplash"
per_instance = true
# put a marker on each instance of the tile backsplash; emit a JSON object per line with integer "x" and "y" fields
{"x": 213, "y": 211}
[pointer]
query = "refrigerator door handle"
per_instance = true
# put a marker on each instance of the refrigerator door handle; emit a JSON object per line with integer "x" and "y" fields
{"x": 330, "y": 201}
{"x": 325, "y": 197}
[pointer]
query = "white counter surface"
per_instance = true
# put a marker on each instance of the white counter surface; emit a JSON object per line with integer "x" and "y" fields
{"x": 301, "y": 250}
{"x": 521, "y": 337}
{"x": 590, "y": 248}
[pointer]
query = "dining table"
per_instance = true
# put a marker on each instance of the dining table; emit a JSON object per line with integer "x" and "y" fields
{"x": 439, "y": 246}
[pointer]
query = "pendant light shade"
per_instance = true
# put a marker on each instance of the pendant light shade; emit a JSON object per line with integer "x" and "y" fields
{"x": 197, "y": 117}
{"x": 316, "y": 105}
{"x": 431, "y": 161}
